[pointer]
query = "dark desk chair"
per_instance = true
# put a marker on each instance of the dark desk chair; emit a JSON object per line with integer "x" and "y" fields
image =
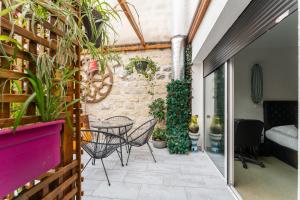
{"x": 247, "y": 137}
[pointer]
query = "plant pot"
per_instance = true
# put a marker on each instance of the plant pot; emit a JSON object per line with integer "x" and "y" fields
{"x": 194, "y": 140}
{"x": 28, "y": 153}
{"x": 159, "y": 144}
{"x": 194, "y": 136}
{"x": 141, "y": 66}
{"x": 93, "y": 66}
{"x": 216, "y": 141}
{"x": 215, "y": 137}
{"x": 88, "y": 27}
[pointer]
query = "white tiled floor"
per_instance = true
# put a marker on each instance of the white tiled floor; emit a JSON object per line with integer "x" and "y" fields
{"x": 173, "y": 177}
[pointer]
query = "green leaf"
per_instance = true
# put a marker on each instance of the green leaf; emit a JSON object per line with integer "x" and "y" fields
{"x": 11, "y": 8}
{"x": 23, "y": 109}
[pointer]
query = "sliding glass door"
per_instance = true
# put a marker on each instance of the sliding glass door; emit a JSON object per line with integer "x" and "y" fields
{"x": 215, "y": 117}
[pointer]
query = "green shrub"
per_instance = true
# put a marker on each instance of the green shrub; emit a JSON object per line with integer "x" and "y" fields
{"x": 157, "y": 109}
{"x": 159, "y": 134}
{"x": 178, "y": 116}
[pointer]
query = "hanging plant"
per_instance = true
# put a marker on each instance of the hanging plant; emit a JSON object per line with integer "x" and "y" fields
{"x": 144, "y": 66}
{"x": 92, "y": 21}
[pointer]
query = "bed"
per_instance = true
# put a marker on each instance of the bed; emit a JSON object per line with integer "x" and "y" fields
{"x": 281, "y": 145}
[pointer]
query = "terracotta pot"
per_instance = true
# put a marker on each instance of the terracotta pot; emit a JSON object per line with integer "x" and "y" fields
{"x": 27, "y": 153}
{"x": 159, "y": 144}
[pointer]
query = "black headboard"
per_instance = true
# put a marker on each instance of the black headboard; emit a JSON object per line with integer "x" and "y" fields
{"x": 277, "y": 113}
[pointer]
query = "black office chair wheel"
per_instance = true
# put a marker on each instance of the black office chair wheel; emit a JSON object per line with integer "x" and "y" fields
{"x": 262, "y": 165}
{"x": 245, "y": 166}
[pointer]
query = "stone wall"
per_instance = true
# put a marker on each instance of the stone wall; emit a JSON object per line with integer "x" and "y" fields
{"x": 129, "y": 95}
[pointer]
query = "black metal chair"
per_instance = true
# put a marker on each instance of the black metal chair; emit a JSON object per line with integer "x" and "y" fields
{"x": 100, "y": 145}
{"x": 140, "y": 136}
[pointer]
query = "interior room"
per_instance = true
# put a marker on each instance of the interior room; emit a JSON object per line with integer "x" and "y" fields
{"x": 265, "y": 112}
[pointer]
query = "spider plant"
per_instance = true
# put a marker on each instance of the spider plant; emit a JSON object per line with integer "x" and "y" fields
{"x": 68, "y": 20}
{"x": 48, "y": 93}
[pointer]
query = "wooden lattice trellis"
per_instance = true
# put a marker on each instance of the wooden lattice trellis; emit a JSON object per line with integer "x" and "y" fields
{"x": 63, "y": 182}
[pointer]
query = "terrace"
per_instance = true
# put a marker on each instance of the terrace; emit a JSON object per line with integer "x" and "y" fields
{"x": 57, "y": 81}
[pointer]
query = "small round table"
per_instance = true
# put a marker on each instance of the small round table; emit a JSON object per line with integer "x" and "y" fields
{"x": 117, "y": 127}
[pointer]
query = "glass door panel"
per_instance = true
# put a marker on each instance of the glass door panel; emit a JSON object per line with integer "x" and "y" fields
{"x": 215, "y": 117}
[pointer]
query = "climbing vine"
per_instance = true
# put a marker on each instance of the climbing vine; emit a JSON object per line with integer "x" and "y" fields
{"x": 188, "y": 62}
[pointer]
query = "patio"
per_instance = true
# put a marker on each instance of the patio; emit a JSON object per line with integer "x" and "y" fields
{"x": 182, "y": 177}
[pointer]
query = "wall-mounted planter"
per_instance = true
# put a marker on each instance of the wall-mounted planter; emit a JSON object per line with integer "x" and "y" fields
{"x": 28, "y": 153}
{"x": 88, "y": 27}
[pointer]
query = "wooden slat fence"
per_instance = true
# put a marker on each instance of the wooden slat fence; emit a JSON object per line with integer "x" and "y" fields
{"x": 63, "y": 182}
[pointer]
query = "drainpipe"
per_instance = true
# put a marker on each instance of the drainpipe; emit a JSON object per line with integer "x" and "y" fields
{"x": 178, "y": 38}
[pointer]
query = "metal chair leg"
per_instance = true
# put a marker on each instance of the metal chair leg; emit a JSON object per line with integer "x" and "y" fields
{"x": 94, "y": 161}
{"x": 105, "y": 172}
{"x": 129, "y": 150}
{"x": 151, "y": 151}
{"x": 121, "y": 153}
{"x": 86, "y": 164}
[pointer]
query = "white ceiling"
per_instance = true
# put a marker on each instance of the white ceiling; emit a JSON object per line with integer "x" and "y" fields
{"x": 283, "y": 35}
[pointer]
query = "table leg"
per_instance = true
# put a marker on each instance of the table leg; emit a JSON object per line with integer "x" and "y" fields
{"x": 126, "y": 139}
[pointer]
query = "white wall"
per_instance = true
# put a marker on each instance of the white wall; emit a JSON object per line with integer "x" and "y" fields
{"x": 279, "y": 76}
{"x": 220, "y": 15}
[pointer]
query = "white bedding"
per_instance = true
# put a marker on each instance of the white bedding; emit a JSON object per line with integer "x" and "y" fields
{"x": 282, "y": 139}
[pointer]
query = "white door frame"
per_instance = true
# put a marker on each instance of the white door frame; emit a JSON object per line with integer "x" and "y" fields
{"x": 230, "y": 114}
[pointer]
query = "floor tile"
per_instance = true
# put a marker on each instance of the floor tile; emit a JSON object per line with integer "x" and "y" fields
{"x": 144, "y": 177}
{"x": 119, "y": 190}
{"x": 157, "y": 192}
{"x": 208, "y": 194}
{"x": 172, "y": 177}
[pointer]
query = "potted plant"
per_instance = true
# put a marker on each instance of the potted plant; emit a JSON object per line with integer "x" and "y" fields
{"x": 157, "y": 109}
{"x": 159, "y": 138}
{"x": 28, "y": 151}
{"x": 142, "y": 65}
{"x": 216, "y": 134}
{"x": 194, "y": 132}
{"x": 92, "y": 22}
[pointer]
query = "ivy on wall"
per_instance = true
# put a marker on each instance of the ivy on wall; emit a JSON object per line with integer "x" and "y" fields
{"x": 178, "y": 115}
{"x": 188, "y": 62}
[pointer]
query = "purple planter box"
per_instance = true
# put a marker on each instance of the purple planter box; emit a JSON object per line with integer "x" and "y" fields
{"x": 28, "y": 153}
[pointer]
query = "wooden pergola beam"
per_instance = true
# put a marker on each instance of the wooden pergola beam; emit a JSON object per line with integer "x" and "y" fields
{"x": 139, "y": 47}
{"x": 136, "y": 47}
{"x": 198, "y": 17}
{"x": 132, "y": 21}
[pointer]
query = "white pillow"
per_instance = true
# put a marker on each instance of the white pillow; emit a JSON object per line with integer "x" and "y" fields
{"x": 289, "y": 130}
